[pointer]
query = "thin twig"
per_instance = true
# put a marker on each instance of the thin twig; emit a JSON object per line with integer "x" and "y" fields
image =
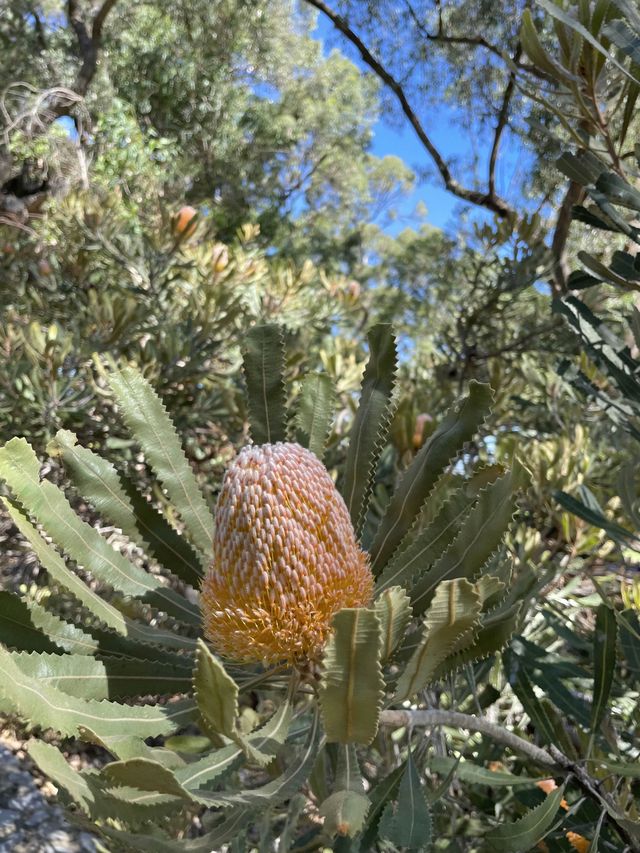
{"x": 439, "y": 717}
{"x": 488, "y": 200}
{"x": 552, "y": 758}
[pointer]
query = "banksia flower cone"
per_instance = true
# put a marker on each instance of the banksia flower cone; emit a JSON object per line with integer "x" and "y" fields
{"x": 285, "y": 558}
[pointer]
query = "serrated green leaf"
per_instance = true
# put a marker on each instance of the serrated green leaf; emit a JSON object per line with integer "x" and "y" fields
{"x": 352, "y": 685}
{"x": 344, "y": 813}
{"x": 380, "y": 796}
{"x": 131, "y": 806}
{"x": 216, "y": 693}
{"x": 315, "y": 412}
{"x": 458, "y": 427}
{"x": 265, "y": 740}
{"x": 618, "y": 190}
{"x": 124, "y": 747}
{"x": 473, "y": 774}
{"x": 54, "y": 765}
{"x": 535, "y": 51}
{"x": 276, "y": 791}
{"x": 630, "y": 639}
{"x": 479, "y": 537}
{"x": 555, "y": 11}
{"x": 454, "y": 610}
{"x": 148, "y": 421}
{"x": 145, "y": 775}
{"x": 570, "y": 704}
{"x": 370, "y": 423}
{"x": 526, "y": 832}
{"x": 591, "y": 516}
{"x": 490, "y": 638}
{"x": 345, "y": 810}
{"x": 264, "y": 359}
{"x": 18, "y": 630}
{"x": 604, "y": 657}
{"x": 51, "y": 708}
{"x": 231, "y": 824}
{"x": 428, "y": 545}
{"x": 19, "y": 467}
{"x": 541, "y": 720}
{"x": 410, "y": 826}
{"x": 393, "y": 609}
{"x": 86, "y": 677}
{"x": 57, "y": 569}
{"x": 489, "y": 588}
{"x": 98, "y": 481}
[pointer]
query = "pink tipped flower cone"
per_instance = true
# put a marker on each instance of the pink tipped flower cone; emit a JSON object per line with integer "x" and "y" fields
{"x": 285, "y": 558}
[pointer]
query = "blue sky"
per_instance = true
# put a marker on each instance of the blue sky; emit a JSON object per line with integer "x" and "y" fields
{"x": 398, "y": 138}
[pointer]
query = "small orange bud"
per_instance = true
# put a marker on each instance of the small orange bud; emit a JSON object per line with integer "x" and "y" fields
{"x": 578, "y": 842}
{"x": 44, "y": 267}
{"x": 418, "y": 435}
{"x": 184, "y": 224}
{"x": 220, "y": 257}
{"x": 285, "y": 558}
{"x": 549, "y": 785}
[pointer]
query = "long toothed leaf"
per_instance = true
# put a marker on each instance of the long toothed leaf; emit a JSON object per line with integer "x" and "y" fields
{"x": 394, "y": 612}
{"x": 86, "y": 677}
{"x": 264, "y": 358}
{"x": 265, "y": 740}
{"x": 352, "y": 685}
{"x": 490, "y": 638}
{"x": 604, "y": 656}
{"x": 479, "y": 537}
{"x": 280, "y": 788}
{"x": 455, "y": 610}
{"x": 148, "y": 421}
{"x": 49, "y": 707}
{"x": 125, "y": 746}
{"x": 99, "y": 483}
{"x": 315, "y": 412}
{"x": 17, "y": 629}
{"x": 469, "y": 772}
{"x": 232, "y": 825}
{"x": 371, "y": 422}
{"x": 216, "y": 693}
{"x": 46, "y": 503}
{"x": 26, "y": 626}
{"x": 429, "y": 544}
{"x": 345, "y": 810}
{"x": 381, "y": 795}
{"x": 63, "y": 576}
{"x": 54, "y": 765}
{"x": 525, "y": 833}
{"x": 410, "y": 826}
{"x": 458, "y": 427}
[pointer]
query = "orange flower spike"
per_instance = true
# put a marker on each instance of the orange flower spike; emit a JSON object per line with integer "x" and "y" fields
{"x": 285, "y": 558}
{"x": 549, "y": 785}
{"x": 578, "y": 842}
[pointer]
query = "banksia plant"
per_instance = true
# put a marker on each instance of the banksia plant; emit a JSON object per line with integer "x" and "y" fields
{"x": 238, "y": 668}
{"x": 285, "y": 558}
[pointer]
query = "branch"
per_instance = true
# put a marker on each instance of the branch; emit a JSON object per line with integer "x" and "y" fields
{"x": 489, "y": 199}
{"x": 503, "y": 117}
{"x": 89, "y": 42}
{"x": 553, "y": 758}
{"x": 474, "y": 724}
{"x": 573, "y": 196}
{"x": 469, "y": 41}
{"x": 100, "y": 18}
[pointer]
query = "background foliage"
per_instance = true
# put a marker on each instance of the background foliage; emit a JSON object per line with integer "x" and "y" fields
{"x": 175, "y": 174}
